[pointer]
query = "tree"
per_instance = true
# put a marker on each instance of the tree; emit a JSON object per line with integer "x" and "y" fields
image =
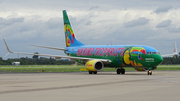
{"x": 35, "y": 56}
{"x": 1, "y": 61}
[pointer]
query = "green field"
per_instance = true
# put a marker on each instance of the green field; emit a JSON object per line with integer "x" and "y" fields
{"x": 68, "y": 68}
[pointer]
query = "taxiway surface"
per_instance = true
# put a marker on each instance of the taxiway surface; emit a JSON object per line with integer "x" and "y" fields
{"x": 105, "y": 86}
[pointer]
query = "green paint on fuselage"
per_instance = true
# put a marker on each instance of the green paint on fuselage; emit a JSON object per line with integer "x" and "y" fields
{"x": 137, "y": 60}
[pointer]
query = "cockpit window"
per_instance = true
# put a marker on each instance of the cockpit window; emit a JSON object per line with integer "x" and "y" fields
{"x": 153, "y": 53}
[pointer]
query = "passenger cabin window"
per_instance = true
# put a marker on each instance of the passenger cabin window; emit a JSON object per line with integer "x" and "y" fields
{"x": 152, "y": 53}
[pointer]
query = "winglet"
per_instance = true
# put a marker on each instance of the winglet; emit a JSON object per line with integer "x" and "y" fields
{"x": 7, "y": 47}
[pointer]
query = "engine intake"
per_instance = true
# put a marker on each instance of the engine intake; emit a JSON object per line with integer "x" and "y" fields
{"x": 94, "y": 65}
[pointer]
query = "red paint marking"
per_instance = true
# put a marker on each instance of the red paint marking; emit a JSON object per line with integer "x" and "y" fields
{"x": 135, "y": 50}
{"x": 143, "y": 51}
{"x": 142, "y": 59}
{"x": 73, "y": 36}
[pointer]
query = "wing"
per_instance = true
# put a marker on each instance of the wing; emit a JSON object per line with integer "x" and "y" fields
{"x": 105, "y": 61}
{"x": 166, "y": 55}
{"x": 50, "y": 47}
{"x": 175, "y": 51}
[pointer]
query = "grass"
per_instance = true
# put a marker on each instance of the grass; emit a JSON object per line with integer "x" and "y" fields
{"x": 168, "y": 67}
{"x": 41, "y": 68}
{"x": 67, "y": 68}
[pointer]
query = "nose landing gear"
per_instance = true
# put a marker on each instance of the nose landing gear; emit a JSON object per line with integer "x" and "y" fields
{"x": 149, "y": 72}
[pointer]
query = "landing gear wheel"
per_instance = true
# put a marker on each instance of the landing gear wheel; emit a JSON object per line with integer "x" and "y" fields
{"x": 118, "y": 71}
{"x": 122, "y": 71}
{"x": 149, "y": 72}
{"x": 90, "y": 72}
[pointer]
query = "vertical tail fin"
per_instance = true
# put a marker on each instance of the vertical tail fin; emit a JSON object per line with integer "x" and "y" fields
{"x": 69, "y": 34}
{"x": 175, "y": 49}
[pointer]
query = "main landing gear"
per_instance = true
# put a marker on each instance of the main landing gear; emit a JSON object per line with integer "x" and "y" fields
{"x": 91, "y": 72}
{"x": 122, "y": 71}
{"x": 149, "y": 72}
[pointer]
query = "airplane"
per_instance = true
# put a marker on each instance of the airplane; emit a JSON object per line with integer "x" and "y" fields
{"x": 97, "y": 57}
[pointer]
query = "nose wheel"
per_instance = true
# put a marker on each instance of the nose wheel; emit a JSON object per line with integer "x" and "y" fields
{"x": 149, "y": 72}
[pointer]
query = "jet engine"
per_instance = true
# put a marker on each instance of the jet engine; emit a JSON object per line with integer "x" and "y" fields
{"x": 94, "y": 65}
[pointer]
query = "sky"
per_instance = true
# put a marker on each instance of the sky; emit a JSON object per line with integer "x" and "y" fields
{"x": 155, "y": 23}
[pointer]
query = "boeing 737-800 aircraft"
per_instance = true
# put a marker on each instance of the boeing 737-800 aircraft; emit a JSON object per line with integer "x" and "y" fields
{"x": 96, "y": 57}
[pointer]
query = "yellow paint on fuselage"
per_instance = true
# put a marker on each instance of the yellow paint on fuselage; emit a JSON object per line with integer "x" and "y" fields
{"x": 126, "y": 57}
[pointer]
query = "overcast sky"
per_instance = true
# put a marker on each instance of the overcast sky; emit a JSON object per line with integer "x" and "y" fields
{"x": 154, "y": 23}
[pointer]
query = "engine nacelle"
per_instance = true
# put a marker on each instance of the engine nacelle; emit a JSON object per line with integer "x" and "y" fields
{"x": 94, "y": 65}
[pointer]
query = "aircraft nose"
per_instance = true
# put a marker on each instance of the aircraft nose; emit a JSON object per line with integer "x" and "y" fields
{"x": 159, "y": 59}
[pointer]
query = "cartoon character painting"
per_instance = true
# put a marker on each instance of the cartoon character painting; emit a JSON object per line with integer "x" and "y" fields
{"x": 69, "y": 35}
{"x": 133, "y": 56}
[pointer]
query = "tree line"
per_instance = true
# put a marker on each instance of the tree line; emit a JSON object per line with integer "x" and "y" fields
{"x": 51, "y": 61}
{"x": 171, "y": 60}
{"x": 36, "y": 61}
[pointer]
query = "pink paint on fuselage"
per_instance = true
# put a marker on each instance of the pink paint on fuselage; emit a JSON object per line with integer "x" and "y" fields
{"x": 90, "y": 51}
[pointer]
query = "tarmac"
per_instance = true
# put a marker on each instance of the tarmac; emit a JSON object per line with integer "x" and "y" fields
{"x": 104, "y": 86}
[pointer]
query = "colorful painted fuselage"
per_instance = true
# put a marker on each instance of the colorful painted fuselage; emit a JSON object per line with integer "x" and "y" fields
{"x": 120, "y": 55}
